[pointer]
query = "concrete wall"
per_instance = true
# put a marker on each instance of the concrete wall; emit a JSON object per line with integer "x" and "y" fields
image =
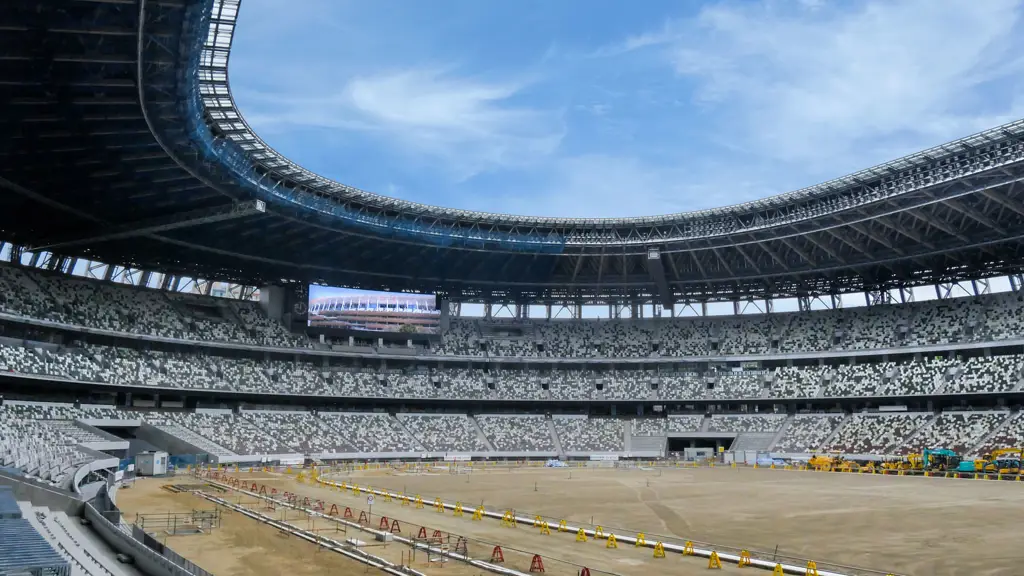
{"x": 165, "y": 441}
{"x": 41, "y": 495}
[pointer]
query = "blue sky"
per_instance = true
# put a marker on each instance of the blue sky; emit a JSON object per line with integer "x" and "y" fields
{"x": 613, "y": 108}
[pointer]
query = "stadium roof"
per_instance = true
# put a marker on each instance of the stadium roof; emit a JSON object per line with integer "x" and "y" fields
{"x": 124, "y": 145}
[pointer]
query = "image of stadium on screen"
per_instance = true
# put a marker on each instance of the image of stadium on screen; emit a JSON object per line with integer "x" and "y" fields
{"x": 371, "y": 311}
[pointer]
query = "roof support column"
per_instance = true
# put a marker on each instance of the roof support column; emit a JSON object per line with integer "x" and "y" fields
{"x": 1016, "y": 282}
{"x": 656, "y": 270}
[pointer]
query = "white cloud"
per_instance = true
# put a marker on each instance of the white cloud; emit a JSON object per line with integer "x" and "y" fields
{"x": 468, "y": 125}
{"x": 609, "y": 186}
{"x": 815, "y": 84}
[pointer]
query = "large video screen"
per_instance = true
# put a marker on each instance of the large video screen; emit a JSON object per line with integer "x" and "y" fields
{"x": 371, "y": 311}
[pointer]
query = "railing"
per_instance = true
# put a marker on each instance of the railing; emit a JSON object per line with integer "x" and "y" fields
{"x": 119, "y": 536}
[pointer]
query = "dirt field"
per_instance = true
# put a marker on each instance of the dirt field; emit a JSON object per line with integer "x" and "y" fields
{"x": 905, "y": 525}
{"x": 240, "y": 546}
{"x": 908, "y": 526}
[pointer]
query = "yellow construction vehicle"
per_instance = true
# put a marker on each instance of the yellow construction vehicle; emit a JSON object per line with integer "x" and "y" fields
{"x": 825, "y": 461}
{"x": 1001, "y": 461}
{"x": 907, "y": 463}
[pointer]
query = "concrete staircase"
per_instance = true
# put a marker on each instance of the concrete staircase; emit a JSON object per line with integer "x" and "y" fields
{"x": 1002, "y": 426}
{"x": 781, "y": 432}
{"x": 832, "y": 437}
{"x": 86, "y": 554}
{"x": 480, "y": 434}
{"x": 555, "y": 438}
{"x": 893, "y": 446}
{"x": 418, "y": 444}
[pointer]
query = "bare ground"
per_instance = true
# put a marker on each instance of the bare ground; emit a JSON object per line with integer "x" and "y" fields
{"x": 904, "y": 525}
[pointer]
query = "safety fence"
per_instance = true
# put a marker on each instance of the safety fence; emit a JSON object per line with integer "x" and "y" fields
{"x": 427, "y": 544}
{"x": 660, "y": 544}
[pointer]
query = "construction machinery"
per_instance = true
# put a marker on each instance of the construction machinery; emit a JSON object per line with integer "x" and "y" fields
{"x": 825, "y": 461}
{"x": 1001, "y": 461}
{"x": 941, "y": 459}
{"x": 908, "y": 463}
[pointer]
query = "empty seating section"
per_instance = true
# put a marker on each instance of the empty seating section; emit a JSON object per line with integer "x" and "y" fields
{"x": 199, "y": 370}
{"x": 744, "y": 335}
{"x": 736, "y": 385}
{"x": 627, "y": 385}
{"x": 371, "y": 432}
{"x": 876, "y": 433}
{"x": 802, "y": 382}
{"x": 42, "y": 439}
{"x": 807, "y": 432}
{"x": 957, "y": 431}
{"x": 461, "y": 339}
{"x": 920, "y": 377}
{"x": 685, "y": 337}
{"x": 1009, "y": 435}
{"x": 143, "y": 311}
{"x": 980, "y": 374}
{"x": 682, "y": 424}
{"x": 23, "y": 360}
{"x": 222, "y": 430}
{"x": 300, "y": 432}
{"x": 858, "y": 380}
{"x": 38, "y": 440}
{"x": 508, "y": 433}
{"x": 648, "y": 426}
{"x": 663, "y": 426}
{"x": 267, "y": 332}
{"x": 746, "y": 422}
{"x": 589, "y": 434}
{"x": 464, "y": 383}
{"x": 444, "y": 432}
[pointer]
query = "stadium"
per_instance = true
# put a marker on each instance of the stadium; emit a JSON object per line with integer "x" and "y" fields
{"x": 183, "y": 390}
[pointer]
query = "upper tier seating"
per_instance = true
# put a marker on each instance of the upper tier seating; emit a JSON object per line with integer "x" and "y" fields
{"x": 200, "y": 370}
{"x": 143, "y": 311}
{"x": 980, "y": 374}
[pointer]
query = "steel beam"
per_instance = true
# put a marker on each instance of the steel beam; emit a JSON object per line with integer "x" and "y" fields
{"x": 162, "y": 224}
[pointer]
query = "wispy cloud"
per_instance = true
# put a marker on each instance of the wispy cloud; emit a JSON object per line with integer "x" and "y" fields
{"x": 469, "y": 124}
{"x": 811, "y": 82}
{"x": 611, "y": 186}
{"x": 596, "y": 109}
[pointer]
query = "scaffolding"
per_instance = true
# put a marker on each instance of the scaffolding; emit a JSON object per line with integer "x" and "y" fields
{"x": 180, "y": 523}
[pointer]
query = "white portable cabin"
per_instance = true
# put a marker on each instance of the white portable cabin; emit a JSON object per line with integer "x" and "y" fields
{"x": 151, "y": 463}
